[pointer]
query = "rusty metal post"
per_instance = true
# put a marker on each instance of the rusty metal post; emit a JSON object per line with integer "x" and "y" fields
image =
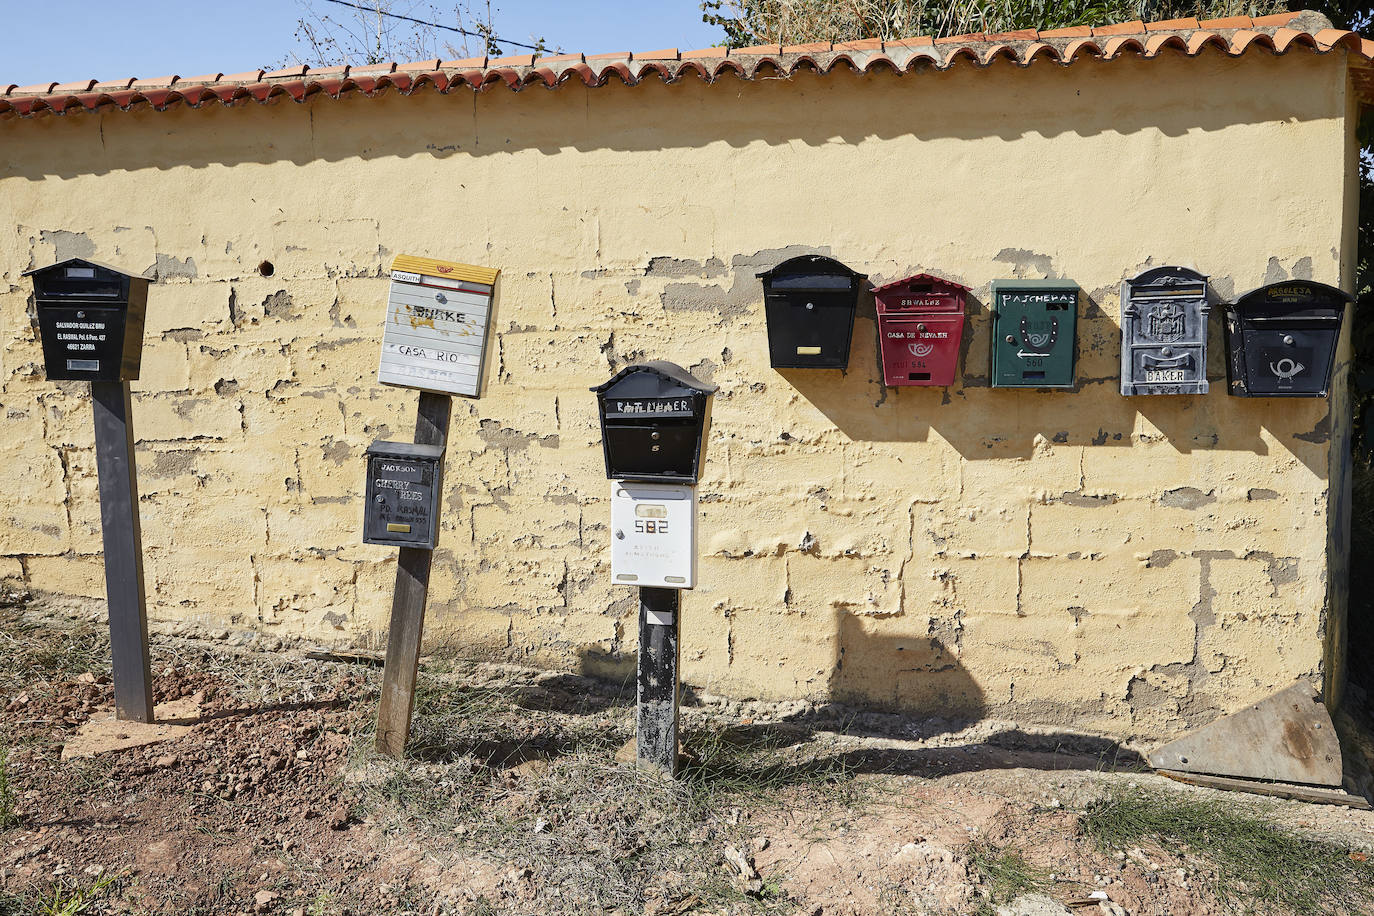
{"x": 656, "y": 729}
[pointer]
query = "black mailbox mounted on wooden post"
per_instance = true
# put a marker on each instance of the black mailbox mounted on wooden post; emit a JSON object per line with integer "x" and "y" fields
{"x": 404, "y": 481}
{"x": 809, "y": 302}
{"x": 1164, "y": 332}
{"x": 1281, "y": 339}
{"x": 654, "y": 418}
{"x": 90, "y": 320}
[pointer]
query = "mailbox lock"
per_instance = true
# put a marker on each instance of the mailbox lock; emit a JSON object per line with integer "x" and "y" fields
{"x": 619, "y": 535}
{"x": 1167, "y": 351}
{"x": 810, "y": 305}
{"x": 920, "y": 327}
{"x": 1011, "y": 339}
{"x": 80, "y": 314}
{"x": 655, "y": 435}
{"x": 1288, "y": 340}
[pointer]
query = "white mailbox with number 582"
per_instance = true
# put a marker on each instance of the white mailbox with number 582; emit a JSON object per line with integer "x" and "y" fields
{"x": 653, "y": 534}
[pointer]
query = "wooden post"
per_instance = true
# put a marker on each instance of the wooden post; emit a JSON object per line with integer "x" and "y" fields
{"x": 408, "y": 604}
{"x": 658, "y": 686}
{"x": 123, "y": 540}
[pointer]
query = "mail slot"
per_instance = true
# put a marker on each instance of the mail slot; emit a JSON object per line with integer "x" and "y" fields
{"x": 654, "y": 418}
{"x": 404, "y": 481}
{"x": 1281, "y": 339}
{"x": 90, "y": 320}
{"x": 1164, "y": 332}
{"x": 809, "y": 303}
{"x": 1033, "y": 327}
{"x": 920, "y": 325}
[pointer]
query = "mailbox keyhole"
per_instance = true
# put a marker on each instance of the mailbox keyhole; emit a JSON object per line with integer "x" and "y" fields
{"x": 1011, "y": 339}
{"x": 810, "y": 305}
{"x": 80, "y": 314}
{"x": 1288, "y": 339}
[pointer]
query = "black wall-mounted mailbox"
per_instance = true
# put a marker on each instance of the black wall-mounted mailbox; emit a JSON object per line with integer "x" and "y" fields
{"x": 809, "y": 303}
{"x": 404, "y": 481}
{"x": 90, "y": 320}
{"x": 1281, "y": 339}
{"x": 654, "y": 419}
{"x": 1164, "y": 332}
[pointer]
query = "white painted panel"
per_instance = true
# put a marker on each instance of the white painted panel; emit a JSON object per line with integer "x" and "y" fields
{"x": 434, "y": 340}
{"x": 653, "y": 534}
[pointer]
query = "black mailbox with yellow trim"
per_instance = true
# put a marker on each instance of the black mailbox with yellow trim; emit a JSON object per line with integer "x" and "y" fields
{"x": 404, "y": 481}
{"x": 90, "y": 320}
{"x": 1281, "y": 339}
{"x": 809, "y": 303}
{"x": 654, "y": 420}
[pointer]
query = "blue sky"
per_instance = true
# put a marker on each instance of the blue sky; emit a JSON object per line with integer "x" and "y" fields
{"x": 67, "y": 40}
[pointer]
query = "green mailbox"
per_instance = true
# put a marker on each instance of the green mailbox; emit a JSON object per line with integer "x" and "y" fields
{"x": 1033, "y": 323}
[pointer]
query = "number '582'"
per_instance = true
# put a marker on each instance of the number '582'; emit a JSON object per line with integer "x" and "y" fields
{"x": 650, "y": 527}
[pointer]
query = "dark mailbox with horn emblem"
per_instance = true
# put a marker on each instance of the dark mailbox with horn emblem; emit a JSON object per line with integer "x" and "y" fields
{"x": 1281, "y": 339}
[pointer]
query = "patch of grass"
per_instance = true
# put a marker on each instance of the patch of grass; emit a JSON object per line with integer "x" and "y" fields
{"x": 1005, "y": 872}
{"x": 1255, "y": 862}
{"x": 751, "y": 763}
{"x": 35, "y": 652}
{"x": 69, "y": 898}
{"x": 8, "y": 818}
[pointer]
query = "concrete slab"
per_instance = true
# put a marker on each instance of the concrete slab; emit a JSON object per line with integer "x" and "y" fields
{"x": 103, "y": 733}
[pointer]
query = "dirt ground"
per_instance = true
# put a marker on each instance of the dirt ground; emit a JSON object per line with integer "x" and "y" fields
{"x": 512, "y": 801}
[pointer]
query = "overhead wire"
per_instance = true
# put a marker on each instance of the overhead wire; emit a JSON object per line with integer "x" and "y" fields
{"x": 378, "y": 11}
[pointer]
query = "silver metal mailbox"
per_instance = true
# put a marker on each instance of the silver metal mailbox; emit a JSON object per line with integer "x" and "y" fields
{"x": 1164, "y": 314}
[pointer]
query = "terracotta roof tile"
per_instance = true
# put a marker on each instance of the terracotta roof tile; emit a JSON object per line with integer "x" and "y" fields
{"x": 157, "y": 82}
{"x": 756, "y": 50}
{"x": 1237, "y": 34}
{"x": 925, "y": 41}
{"x": 1078, "y": 31}
{"x": 288, "y": 73}
{"x": 866, "y": 44}
{"x": 1135, "y": 27}
{"x": 1173, "y": 25}
{"x": 1228, "y": 22}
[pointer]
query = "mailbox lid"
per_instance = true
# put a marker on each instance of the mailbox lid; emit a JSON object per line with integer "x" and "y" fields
{"x": 811, "y": 272}
{"x": 655, "y": 388}
{"x": 1034, "y": 330}
{"x": 79, "y": 278}
{"x": 921, "y": 293}
{"x": 404, "y": 483}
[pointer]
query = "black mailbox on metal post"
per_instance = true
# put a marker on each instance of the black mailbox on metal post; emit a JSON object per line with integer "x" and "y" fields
{"x": 90, "y": 320}
{"x": 1281, "y": 339}
{"x": 810, "y": 302}
{"x": 404, "y": 481}
{"x": 1164, "y": 332}
{"x": 654, "y": 418}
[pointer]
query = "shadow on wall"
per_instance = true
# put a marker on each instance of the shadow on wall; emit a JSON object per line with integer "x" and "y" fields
{"x": 918, "y": 673}
{"x": 1092, "y": 413}
{"x": 1083, "y": 100}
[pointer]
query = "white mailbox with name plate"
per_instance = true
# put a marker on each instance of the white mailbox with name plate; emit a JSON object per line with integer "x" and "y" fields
{"x": 653, "y": 534}
{"x": 437, "y": 319}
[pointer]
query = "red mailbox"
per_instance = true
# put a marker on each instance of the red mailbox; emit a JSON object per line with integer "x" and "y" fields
{"x": 920, "y": 324}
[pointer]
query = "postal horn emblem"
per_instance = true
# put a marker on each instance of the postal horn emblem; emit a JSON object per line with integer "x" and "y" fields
{"x": 1286, "y": 368}
{"x": 920, "y": 350}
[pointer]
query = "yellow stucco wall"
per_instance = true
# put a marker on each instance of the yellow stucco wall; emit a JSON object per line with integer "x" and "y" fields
{"x": 1132, "y": 565}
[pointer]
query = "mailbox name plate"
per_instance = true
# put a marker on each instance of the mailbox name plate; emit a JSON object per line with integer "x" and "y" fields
{"x": 83, "y": 341}
{"x": 437, "y": 319}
